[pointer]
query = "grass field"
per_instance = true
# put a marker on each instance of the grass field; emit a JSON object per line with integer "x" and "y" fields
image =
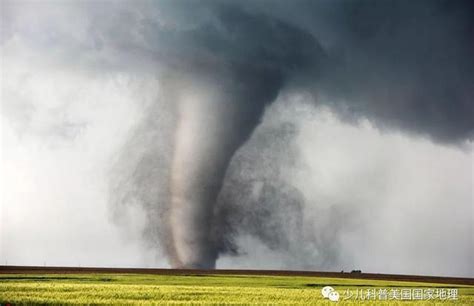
{"x": 146, "y": 289}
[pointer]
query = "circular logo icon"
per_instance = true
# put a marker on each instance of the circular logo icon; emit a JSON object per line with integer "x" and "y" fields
{"x": 326, "y": 291}
{"x": 334, "y": 296}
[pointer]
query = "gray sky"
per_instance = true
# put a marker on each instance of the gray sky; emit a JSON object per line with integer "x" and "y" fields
{"x": 370, "y": 137}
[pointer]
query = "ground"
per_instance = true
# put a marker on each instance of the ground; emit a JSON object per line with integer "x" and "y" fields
{"x": 152, "y": 289}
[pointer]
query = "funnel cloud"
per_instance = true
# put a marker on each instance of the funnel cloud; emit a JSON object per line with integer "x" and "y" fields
{"x": 218, "y": 101}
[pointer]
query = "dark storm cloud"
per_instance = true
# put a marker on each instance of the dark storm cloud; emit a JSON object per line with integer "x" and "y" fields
{"x": 403, "y": 65}
{"x": 410, "y": 65}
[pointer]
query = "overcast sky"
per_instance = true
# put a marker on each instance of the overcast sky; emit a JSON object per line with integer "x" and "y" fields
{"x": 362, "y": 160}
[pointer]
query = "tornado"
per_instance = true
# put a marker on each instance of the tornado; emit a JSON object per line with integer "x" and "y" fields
{"x": 220, "y": 76}
{"x": 219, "y": 100}
{"x": 213, "y": 122}
{"x": 187, "y": 172}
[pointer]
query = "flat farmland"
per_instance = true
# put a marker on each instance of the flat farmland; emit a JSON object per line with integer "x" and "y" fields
{"x": 59, "y": 286}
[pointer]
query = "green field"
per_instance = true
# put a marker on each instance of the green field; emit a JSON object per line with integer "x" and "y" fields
{"x": 147, "y": 289}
